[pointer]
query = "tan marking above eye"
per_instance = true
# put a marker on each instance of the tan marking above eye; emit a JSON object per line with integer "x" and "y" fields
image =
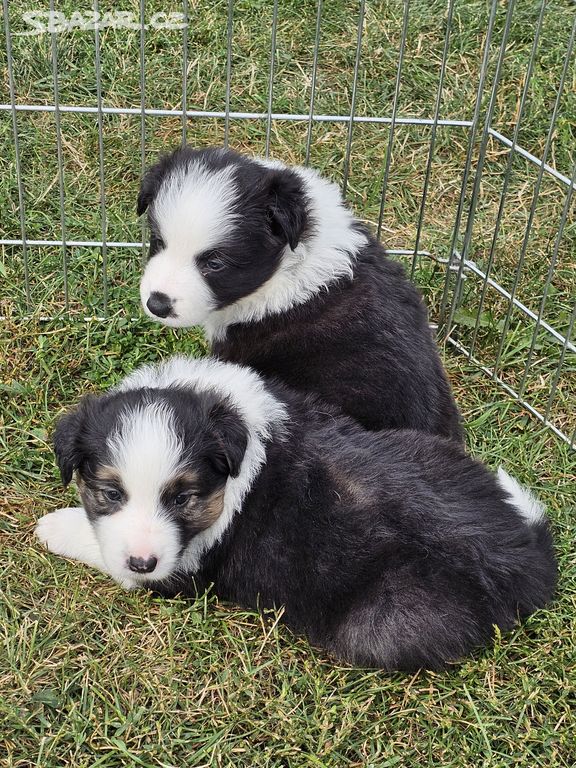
{"x": 213, "y": 507}
{"x": 181, "y": 483}
{"x": 91, "y": 498}
{"x": 108, "y": 474}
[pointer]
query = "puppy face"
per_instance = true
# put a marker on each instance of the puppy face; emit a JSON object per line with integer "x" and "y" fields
{"x": 152, "y": 468}
{"x": 219, "y": 226}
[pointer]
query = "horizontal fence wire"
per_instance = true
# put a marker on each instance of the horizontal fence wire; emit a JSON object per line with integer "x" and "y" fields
{"x": 459, "y": 268}
{"x": 235, "y": 115}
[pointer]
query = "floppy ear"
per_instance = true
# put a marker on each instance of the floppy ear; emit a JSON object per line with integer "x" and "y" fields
{"x": 151, "y": 181}
{"x": 287, "y": 210}
{"x": 66, "y": 443}
{"x": 148, "y": 189}
{"x": 231, "y": 439}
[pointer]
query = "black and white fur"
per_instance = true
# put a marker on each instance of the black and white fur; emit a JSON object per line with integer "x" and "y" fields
{"x": 390, "y": 549}
{"x": 283, "y": 278}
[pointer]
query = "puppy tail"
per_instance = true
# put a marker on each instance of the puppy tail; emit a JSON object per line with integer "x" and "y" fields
{"x": 531, "y": 509}
{"x": 539, "y": 578}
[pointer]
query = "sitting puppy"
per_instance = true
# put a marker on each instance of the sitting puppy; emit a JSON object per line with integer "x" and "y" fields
{"x": 390, "y": 549}
{"x": 283, "y": 278}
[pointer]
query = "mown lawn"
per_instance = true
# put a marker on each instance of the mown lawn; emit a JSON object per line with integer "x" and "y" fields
{"x": 93, "y": 676}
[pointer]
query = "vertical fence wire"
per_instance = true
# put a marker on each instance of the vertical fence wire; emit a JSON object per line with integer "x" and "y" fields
{"x": 313, "y": 81}
{"x": 507, "y": 176}
{"x": 185, "y": 73}
{"x": 17, "y": 162}
{"x": 229, "y": 33}
{"x": 394, "y": 116}
{"x": 481, "y": 157}
{"x": 549, "y": 276}
{"x": 56, "y": 93}
{"x": 103, "y": 217}
{"x": 271, "y": 77}
{"x": 439, "y": 92}
{"x": 467, "y": 167}
{"x": 142, "y": 74}
{"x": 536, "y": 194}
{"x": 354, "y": 94}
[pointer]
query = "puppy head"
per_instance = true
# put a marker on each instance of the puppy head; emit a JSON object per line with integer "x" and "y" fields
{"x": 219, "y": 226}
{"x": 152, "y": 468}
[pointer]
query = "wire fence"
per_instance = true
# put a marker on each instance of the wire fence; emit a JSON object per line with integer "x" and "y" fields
{"x": 450, "y": 126}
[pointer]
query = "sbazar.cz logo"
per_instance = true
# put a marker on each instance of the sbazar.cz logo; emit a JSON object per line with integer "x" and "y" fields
{"x": 41, "y": 22}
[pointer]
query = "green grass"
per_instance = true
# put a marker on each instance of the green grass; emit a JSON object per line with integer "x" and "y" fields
{"x": 120, "y": 56}
{"x": 93, "y": 676}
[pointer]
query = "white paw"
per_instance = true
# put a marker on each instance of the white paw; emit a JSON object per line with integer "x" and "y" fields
{"x": 68, "y": 532}
{"x": 57, "y": 529}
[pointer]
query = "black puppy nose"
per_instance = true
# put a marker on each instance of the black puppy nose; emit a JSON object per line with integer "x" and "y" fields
{"x": 159, "y": 304}
{"x": 139, "y": 565}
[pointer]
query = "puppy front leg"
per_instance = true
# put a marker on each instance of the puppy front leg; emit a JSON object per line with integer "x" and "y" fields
{"x": 68, "y": 532}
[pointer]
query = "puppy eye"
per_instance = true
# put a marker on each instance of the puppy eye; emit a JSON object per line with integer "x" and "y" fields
{"x": 112, "y": 494}
{"x": 181, "y": 499}
{"x": 214, "y": 263}
{"x": 156, "y": 244}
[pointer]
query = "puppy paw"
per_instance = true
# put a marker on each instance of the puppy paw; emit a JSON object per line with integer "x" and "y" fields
{"x": 68, "y": 532}
{"x": 58, "y": 530}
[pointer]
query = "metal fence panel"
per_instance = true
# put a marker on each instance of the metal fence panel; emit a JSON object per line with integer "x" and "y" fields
{"x": 82, "y": 111}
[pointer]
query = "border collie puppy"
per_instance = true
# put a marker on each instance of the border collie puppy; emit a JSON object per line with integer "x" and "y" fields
{"x": 283, "y": 278}
{"x": 390, "y": 549}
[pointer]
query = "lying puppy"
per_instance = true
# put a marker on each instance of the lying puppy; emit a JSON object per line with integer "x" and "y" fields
{"x": 390, "y": 549}
{"x": 283, "y": 278}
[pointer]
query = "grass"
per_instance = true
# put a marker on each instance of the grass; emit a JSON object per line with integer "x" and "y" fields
{"x": 92, "y": 676}
{"x": 81, "y": 292}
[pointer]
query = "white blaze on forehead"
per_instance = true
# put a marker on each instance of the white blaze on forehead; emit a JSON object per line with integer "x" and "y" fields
{"x": 146, "y": 450}
{"x": 194, "y": 207}
{"x": 262, "y": 414}
{"x": 193, "y": 211}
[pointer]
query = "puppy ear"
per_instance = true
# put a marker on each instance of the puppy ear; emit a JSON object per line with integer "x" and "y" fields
{"x": 287, "y": 210}
{"x": 231, "y": 439}
{"x": 148, "y": 189}
{"x": 151, "y": 181}
{"x": 66, "y": 442}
